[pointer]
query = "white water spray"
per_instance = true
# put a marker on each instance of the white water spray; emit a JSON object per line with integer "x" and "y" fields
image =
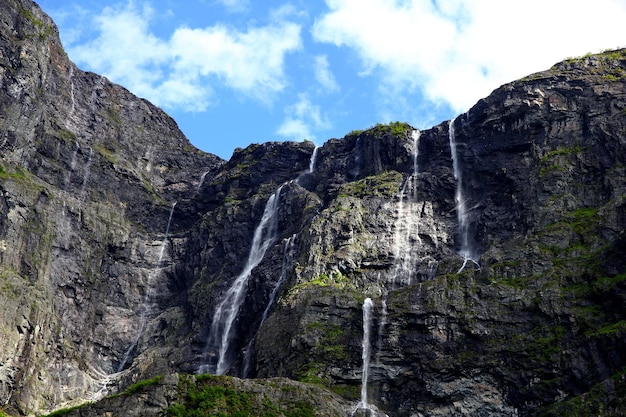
{"x": 227, "y": 310}
{"x": 71, "y": 78}
{"x": 367, "y": 325}
{"x": 201, "y": 182}
{"x": 462, "y": 213}
{"x": 147, "y": 309}
{"x": 415, "y": 134}
{"x": 312, "y": 162}
{"x": 406, "y": 227}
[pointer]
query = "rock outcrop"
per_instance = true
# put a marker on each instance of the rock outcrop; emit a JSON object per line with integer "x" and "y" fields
{"x": 492, "y": 247}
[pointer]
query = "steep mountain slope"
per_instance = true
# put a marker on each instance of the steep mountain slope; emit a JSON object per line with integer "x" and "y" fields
{"x": 490, "y": 248}
{"x": 88, "y": 177}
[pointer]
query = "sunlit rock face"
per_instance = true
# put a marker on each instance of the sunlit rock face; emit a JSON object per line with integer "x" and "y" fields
{"x": 491, "y": 248}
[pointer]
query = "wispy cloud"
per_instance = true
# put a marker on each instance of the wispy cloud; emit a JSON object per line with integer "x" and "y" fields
{"x": 455, "y": 52}
{"x": 235, "y": 6}
{"x": 182, "y": 71}
{"x": 302, "y": 119}
{"x": 323, "y": 74}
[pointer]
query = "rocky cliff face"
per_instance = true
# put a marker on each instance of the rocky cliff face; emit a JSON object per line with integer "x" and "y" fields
{"x": 89, "y": 174}
{"x": 492, "y": 248}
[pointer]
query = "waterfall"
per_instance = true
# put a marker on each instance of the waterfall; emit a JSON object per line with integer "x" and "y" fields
{"x": 70, "y": 115}
{"x": 311, "y": 169}
{"x": 288, "y": 259}
{"x": 406, "y": 227}
{"x": 463, "y": 219}
{"x": 201, "y": 182}
{"x": 71, "y": 78}
{"x": 415, "y": 134}
{"x": 367, "y": 324}
{"x": 313, "y": 160}
{"x": 146, "y": 310}
{"x": 227, "y": 310}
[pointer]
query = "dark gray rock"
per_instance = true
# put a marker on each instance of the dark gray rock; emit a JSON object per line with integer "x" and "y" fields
{"x": 118, "y": 241}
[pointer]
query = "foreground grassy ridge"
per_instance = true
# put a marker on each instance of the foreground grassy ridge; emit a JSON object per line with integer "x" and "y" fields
{"x": 206, "y": 395}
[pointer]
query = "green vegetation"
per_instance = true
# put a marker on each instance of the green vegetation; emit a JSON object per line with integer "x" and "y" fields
{"x": 330, "y": 348}
{"x": 64, "y": 411}
{"x": 114, "y": 116}
{"x": 106, "y": 153}
{"x": 207, "y": 395}
{"x": 594, "y": 402}
{"x": 548, "y": 162}
{"x": 310, "y": 373}
{"x": 334, "y": 280}
{"x": 395, "y": 128}
{"x": 582, "y": 221}
{"x": 385, "y": 184}
{"x": 139, "y": 386}
{"x": 399, "y": 129}
{"x": 355, "y": 132}
{"x": 604, "y": 64}
{"x": 44, "y": 30}
{"x": 66, "y": 135}
{"x": 562, "y": 151}
{"x": 15, "y": 173}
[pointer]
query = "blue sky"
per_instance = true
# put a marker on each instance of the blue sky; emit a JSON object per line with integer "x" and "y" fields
{"x": 235, "y": 72}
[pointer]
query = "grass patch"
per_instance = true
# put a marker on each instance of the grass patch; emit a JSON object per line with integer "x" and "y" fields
{"x": 139, "y": 386}
{"x": 399, "y": 129}
{"x": 335, "y": 280}
{"x": 385, "y": 184}
{"x": 209, "y": 395}
{"x": 64, "y": 411}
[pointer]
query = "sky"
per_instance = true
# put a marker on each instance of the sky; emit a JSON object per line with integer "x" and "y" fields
{"x": 236, "y": 72}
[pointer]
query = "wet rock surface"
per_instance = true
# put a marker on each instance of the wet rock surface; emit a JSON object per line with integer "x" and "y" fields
{"x": 118, "y": 241}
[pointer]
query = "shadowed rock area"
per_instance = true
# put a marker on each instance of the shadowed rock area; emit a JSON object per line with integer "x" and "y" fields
{"x": 492, "y": 247}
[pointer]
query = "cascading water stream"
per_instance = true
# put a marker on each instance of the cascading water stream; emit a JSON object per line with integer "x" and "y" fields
{"x": 201, "y": 182}
{"x": 311, "y": 165}
{"x": 368, "y": 306}
{"x": 288, "y": 259}
{"x": 407, "y": 225}
{"x": 71, "y": 78}
{"x": 406, "y": 236}
{"x": 147, "y": 310}
{"x": 227, "y": 310}
{"x": 415, "y": 134}
{"x": 313, "y": 160}
{"x": 463, "y": 219}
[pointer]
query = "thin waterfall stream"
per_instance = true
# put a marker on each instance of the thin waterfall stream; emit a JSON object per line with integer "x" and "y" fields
{"x": 147, "y": 309}
{"x": 368, "y": 307}
{"x": 463, "y": 216}
{"x": 406, "y": 234}
{"x": 226, "y": 312}
{"x": 220, "y": 332}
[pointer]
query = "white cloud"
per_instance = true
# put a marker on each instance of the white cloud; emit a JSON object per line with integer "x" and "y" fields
{"x": 235, "y": 6}
{"x": 323, "y": 75}
{"x": 302, "y": 119}
{"x": 180, "y": 71}
{"x": 457, "y": 51}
